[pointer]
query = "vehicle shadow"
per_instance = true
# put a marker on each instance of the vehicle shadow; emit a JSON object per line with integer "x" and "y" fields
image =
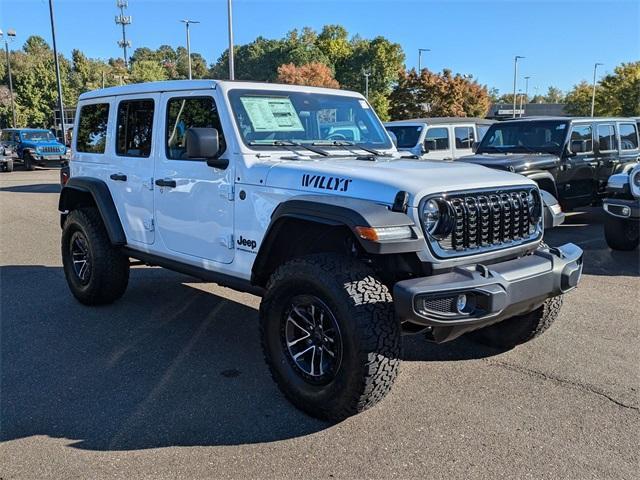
{"x": 585, "y": 228}
{"x": 167, "y": 365}
{"x": 35, "y": 188}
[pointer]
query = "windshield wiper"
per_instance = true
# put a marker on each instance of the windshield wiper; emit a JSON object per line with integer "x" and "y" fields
{"x": 289, "y": 143}
{"x": 347, "y": 143}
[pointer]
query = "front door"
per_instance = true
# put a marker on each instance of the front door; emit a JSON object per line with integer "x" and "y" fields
{"x": 607, "y": 149}
{"x": 193, "y": 201}
{"x": 576, "y": 180}
{"x": 464, "y": 139}
{"x": 437, "y": 143}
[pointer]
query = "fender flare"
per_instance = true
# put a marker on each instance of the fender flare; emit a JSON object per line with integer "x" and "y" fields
{"x": 336, "y": 211}
{"x": 537, "y": 175}
{"x": 77, "y": 188}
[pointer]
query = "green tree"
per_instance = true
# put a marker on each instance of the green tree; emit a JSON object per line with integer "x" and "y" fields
{"x": 147, "y": 71}
{"x": 578, "y": 100}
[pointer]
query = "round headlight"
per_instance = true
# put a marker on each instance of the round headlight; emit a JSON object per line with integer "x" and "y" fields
{"x": 431, "y": 216}
{"x": 535, "y": 206}
{"x": 636, "y": 179}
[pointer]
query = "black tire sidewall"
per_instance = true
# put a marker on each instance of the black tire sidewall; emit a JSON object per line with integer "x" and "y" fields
{"x": 338, "y": 303}
{"x": 72, "y": 226}
{"x": 621, "y": 233}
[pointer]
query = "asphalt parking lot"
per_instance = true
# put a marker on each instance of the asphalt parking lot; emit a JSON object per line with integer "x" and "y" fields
{"x": 169, "y": 381}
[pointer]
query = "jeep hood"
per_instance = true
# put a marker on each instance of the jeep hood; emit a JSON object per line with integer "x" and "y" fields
{"x": 514, "y": 162}
{"x": 381, "y": 179}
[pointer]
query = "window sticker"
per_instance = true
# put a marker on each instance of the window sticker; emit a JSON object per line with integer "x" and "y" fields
{"x": 272, "y": 114}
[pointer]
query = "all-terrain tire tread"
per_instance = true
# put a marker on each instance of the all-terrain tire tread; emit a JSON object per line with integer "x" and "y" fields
{"x": 616, "y": 233}
{"x": 111, "y": 267}
{"x": 378, "y": 328}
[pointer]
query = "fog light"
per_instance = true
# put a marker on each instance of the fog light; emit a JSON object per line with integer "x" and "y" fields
{"x": 461, "y": 303}
{"x": 626, "y": 211}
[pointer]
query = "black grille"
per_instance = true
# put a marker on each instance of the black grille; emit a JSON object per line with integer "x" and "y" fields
{"x": 441, "y": 305}
{"x": 50, "y": 149}
{"x": 490, "y": 220}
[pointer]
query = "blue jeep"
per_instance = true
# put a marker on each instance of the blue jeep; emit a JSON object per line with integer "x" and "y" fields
{"x": 32, "y": 146}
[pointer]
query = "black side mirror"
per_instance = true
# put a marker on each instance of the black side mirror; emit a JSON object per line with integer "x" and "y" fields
{"x": 204, "y": 143}
{"x": 578, "y": 146}
{"x": 428, "y": 146}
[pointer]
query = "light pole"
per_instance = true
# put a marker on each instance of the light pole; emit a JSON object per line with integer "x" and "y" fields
{"x": 232, "y": 75}
{"x": 515, "y": 80}
{"x": 593, "y": 94}
{"x": 186, "y": 24}
{"x": 11, "y": 34}
{"x": 526, "y": 92}
{"x": 366, "y": 74}
{"x": 420, "y": 50}
{"x": 57, "y": 64}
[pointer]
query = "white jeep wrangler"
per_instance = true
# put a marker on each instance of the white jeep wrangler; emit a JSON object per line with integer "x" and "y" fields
{"x": 297, "y": 194}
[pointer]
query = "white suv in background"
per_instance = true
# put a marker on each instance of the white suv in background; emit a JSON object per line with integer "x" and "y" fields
{"x": 438, "y": 138}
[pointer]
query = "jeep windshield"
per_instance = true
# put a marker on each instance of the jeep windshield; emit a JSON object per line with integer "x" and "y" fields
{"x": 407, "y": 135}
{"x": 278, "y": 118}
{"x": 546, "y": 136}
{"x": 37, "y": 136}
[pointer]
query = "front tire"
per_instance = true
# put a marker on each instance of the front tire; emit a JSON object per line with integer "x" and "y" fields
{"x": 29, "y": 162}
{"x": 622, "y": 234}
{"x": 520, "y": 329}
{"x": 97, "y": 272}
{"x": 329, "y": 335}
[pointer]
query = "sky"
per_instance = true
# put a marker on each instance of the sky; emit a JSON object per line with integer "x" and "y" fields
{"x": 561, "y": 39}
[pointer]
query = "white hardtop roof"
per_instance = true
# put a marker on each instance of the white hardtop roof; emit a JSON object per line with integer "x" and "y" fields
{"x": 438, "y": 121}
{"x": 224, "y": 85}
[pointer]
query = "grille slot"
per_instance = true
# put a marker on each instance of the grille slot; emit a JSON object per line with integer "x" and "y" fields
{"x": 488, "y": 220}
{"x": 50, "y": 149}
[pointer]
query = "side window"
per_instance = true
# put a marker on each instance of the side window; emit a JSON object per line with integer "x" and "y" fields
{"x": 92, "y": 128}
{"x": 464, "y": 137}
{"x": 581, "y": 139}
{"x": 134, "y": 128}
{"x": 628, "y": 136}
{"x": 437, "y": 139}
{"x": 187, "y": 112}
{"x": 607, "y": 138}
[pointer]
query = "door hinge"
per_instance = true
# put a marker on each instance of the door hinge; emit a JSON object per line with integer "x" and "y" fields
{"x": 149, "y": 224}
{"x": 227, "y": 241}
{"x": 148, "y": 185}
{"x": 227, "y": 191}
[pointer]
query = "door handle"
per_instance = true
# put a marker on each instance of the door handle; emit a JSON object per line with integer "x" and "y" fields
{"x": 118, "y": 177}
{"x": 166, "y": 183}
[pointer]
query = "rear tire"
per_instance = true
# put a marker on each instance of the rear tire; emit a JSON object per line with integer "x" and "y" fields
{"x": 334, "y": 304}
{"x": 96, "y": 271}
{"x": 520, "y": 329}
{"x": 622, "y": 234}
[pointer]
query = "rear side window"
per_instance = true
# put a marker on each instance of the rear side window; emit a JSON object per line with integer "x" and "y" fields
{"x": 134, "y": 128}
{"x": 464, "y": 137}
{"x": 581, "y": 139}
{"x": 606, "y": 138}
{"x": 187, "y": 112}
{"x": 437, "y": 139}
{"x": 628, "y": 136}
{"x": 407, "y": 136}
{"x": 92, "y": 128}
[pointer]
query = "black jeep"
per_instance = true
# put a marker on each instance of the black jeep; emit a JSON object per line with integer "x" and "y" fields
{"x": 571, "y": 158}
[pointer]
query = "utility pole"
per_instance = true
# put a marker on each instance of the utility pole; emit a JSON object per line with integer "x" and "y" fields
{"x": 420, "y": 50}
{"x": 593, "y": 94}
{"x": 57, "y": 64}
{"x": 123, "y": 20}
{"x": 526, "y": 92}
{"x": 232, "y": 75}
{"x": 11, "y": 35}
{"x": 366, "y": 74}
{"x": 186, "y": 24}
{"x": 515, "y": 81}
{"x": 521, "y": 100}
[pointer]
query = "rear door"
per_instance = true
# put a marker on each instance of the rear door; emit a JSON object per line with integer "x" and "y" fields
{"x": 607, "y": 149}
{"x": 629, "y": 143}
{"x": 437, "y": 142}
{"x": 131, "y": 181}
{"x": 193, "y": 201}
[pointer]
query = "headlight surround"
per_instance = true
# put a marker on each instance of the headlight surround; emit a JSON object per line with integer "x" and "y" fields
{"x": 535, "y": 206}
{"x": 636, "y": 179}
{"x": 436, "y": 218}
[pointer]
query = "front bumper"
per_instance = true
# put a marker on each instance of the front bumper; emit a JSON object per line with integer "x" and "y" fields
{"x": 491, "y": 293}
{"x": 623, "y": 208}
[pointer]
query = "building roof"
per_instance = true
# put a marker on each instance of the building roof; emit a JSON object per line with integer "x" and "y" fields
{"x": 224, "y": 85}
{"x": 439, "y": 121}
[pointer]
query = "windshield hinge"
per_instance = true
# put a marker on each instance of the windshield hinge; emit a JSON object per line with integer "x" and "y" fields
{"x": 148, "y": 185}
{"x": 227, "y": 191}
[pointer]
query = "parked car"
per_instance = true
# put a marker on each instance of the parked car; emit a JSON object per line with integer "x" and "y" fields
{"x": 349, "y": 244}
{"x": 438, "y": 138}
{"x": 571, "y": 158}
{"x": 622, "y": 204}
{"x": 33, "y": 146}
